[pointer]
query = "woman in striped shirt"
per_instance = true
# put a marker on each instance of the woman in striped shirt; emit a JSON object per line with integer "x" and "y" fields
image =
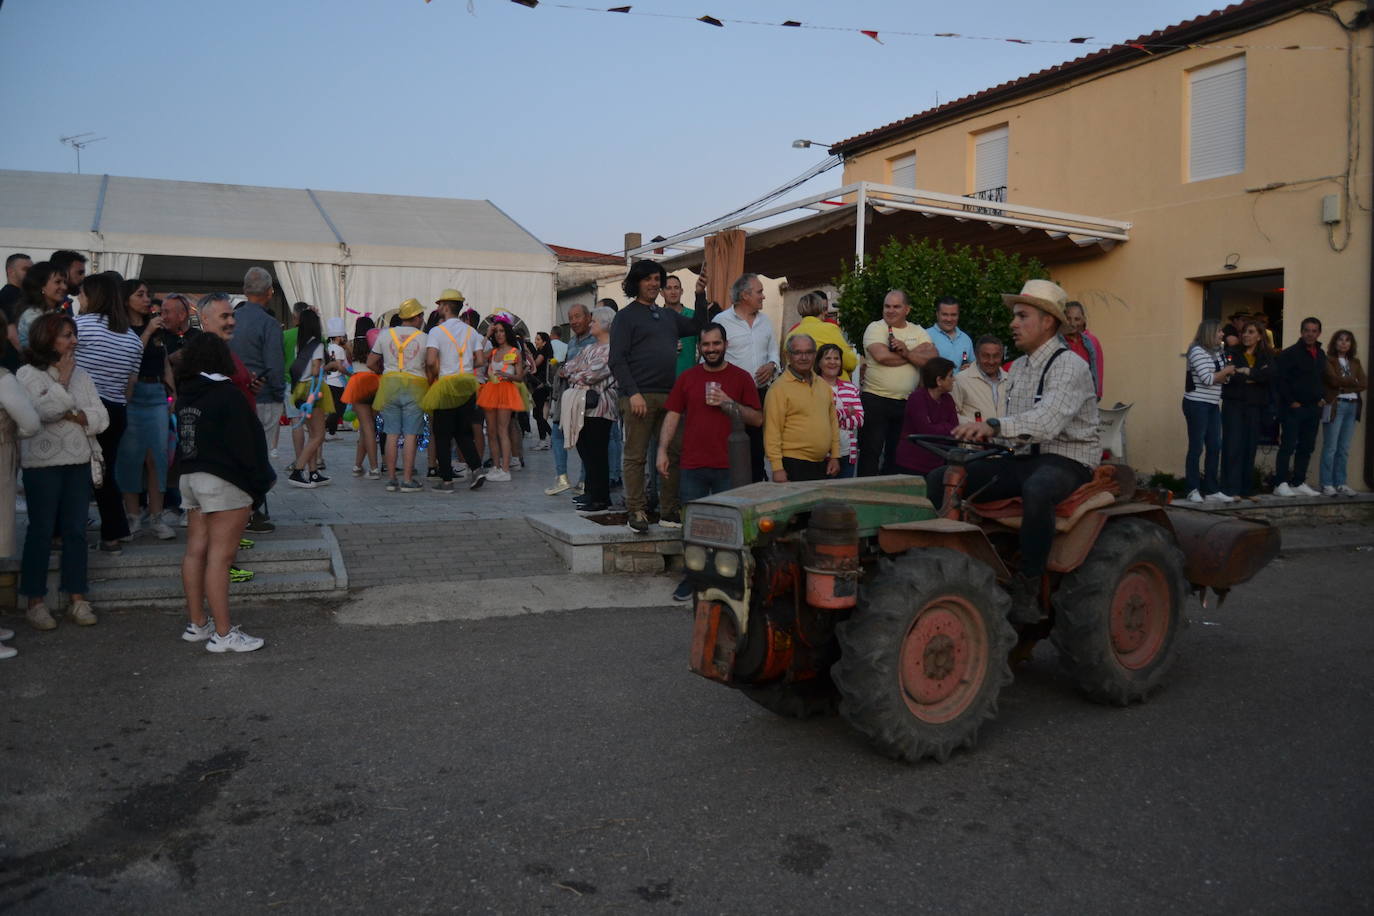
{"x": 110, "y": 353}
{"x": 849, "y": 409}
{"x": 1207, "y": 372}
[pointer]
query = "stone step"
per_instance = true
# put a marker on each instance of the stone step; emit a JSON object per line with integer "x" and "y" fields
{"x": 156, "y": 560}
{"x": 167, "y": 592}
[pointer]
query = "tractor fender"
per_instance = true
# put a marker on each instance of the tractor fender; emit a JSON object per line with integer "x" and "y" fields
{"x": 1071, "y": 548}
{"x": 964, "y": 537}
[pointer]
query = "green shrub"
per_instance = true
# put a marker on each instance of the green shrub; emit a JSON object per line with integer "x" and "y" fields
{"x": 927, "y": 271}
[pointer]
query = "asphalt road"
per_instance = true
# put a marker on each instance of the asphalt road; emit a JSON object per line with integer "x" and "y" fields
{"x": 569, "y": 762}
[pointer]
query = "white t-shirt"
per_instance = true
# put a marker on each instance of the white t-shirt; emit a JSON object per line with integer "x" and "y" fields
{"x": 409, "y": 358}
{"x": 456, "y": 343}
{"x": 560, "y": 350}
{"x": 337, "y": 379}
{"x": 317, "y": 353}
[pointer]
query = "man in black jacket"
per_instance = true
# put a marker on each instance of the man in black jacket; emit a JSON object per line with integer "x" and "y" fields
{"x": 1298, "y": 383}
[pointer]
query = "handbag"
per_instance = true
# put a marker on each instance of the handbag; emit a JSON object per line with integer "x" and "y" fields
{"x": 97, "y": 463}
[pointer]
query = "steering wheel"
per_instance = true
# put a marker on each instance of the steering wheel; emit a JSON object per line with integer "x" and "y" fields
{"x": 945, "y": 447}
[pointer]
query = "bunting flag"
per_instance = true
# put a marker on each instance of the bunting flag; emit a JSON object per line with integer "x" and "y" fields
{"x": 1152, "y": 47}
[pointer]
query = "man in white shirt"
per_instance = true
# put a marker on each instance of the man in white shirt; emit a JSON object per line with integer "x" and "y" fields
{"x": 752, "y": 346}
{"x": 454, "y": 348}
{"x": 894, "y": 351}
{"x": 981, "y": 391}
{"x": 398, "y": 356}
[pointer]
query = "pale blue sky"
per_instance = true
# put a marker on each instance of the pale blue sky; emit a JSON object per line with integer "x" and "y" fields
{"x": 581, "y": 126}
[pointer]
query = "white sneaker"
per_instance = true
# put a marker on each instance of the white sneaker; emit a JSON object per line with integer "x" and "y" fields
{"x": 194, "y": 633}
{"x": 496, "y": 475}
{"x": 8, "y": 652}
{"x": 1347, "y": 491}
{"x": 163, "y": 531}
{"x": 171, "y": 517}
{"x": 559, "y": 486}
{"x": 1284, "y": 490}
{"x": 1303, "y": 489}
{"x": 276, "y": 453}
{"x": 1195, "y": 497}
{"x": 1220, "y": 497}
{"x": 6, "y": 634}
{"x": 1330, "y": 491}
{"x": 236, "y": 641}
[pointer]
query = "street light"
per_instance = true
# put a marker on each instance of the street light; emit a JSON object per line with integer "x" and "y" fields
{"x": 807, "y": 144}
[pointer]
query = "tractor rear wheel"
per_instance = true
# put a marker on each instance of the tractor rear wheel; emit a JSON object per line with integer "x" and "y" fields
{"x": 924, "y": 656}
{"x": 1117, "y": 616}
{"x": 797, "y": 699}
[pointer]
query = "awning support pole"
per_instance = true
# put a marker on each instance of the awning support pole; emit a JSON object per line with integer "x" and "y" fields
{"x": 862, "y": 206}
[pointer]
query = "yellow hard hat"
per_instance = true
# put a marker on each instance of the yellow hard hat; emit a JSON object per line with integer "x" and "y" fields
{"x": 449, "y": 295}
{"x": 409, "y": 309}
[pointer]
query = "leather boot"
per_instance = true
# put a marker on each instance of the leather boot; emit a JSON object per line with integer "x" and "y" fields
{"x": 1025, "y": 600}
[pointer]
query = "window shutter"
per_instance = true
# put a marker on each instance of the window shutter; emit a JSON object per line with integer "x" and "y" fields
{"x": 990, "y": 159}
{"x": 904, "y": 171}
{"x": 1216, "y": 120}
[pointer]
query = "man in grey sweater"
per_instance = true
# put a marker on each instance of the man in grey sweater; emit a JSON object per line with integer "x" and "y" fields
{"x": 257, "y": 342}
{"x": 643, "y": 360}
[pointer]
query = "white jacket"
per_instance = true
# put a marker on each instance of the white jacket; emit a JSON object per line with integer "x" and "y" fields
{"x": 60, "y": 441}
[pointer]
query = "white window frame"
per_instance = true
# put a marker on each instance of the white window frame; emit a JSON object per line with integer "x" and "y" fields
{"x": 1216, "y": 119}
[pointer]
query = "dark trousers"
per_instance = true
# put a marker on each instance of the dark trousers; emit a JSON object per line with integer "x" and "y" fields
{"x": 331, "y": 424}
{"x": 879, "y": 435}
{"x": 593, "y": 447}
{"x": 755, "y": 434}
{"x": 113, "y": 523}
{"x": 1042, "y": 482}
{"x": 1297, "y": 438}
{"x": 1204, "y": 432}
{"x": 1240, "y": 432}
{"x": 448, "y": 425}
{"x": 798, "y": 470}
{"x": 57, "y": 498}
{"x": 541, "y": 397}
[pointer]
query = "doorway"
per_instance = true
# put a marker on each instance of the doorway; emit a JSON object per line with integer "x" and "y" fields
{"x": 1253, "y": 294}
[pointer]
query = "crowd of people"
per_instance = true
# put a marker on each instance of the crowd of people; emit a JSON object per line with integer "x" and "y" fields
{"x": 111, "y": 395}
{"x": 1236, "y": 385}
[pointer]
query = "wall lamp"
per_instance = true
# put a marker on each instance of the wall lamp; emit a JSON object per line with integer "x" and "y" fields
{"x": 807, "y": 144}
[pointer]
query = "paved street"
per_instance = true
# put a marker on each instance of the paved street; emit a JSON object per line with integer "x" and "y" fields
{"x": 568, "y": 762}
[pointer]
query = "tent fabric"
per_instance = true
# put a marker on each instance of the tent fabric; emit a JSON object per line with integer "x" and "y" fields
{"x": 124, "y": 263}
{"x": 387, "y": 247}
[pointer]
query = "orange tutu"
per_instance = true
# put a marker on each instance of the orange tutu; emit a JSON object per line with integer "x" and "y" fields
{"x": 361, "y": 388}
{"x": 500, "y": 395}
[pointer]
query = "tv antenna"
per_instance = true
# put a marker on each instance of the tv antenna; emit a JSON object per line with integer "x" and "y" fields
{"x": 79, "y": 142}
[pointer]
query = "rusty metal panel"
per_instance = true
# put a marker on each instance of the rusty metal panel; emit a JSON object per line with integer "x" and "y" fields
{"x": 943, "y": 532}
{"x": 1221, "y": 551}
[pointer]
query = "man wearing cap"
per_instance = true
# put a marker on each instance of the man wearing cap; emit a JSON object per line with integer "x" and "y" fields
{"x": 1050, "y": 402}
{"x": 453, "y": 354}
{"x": 399, "y": 357}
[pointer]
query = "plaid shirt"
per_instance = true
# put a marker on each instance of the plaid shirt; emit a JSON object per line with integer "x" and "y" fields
{"x": 1064, "y": 419}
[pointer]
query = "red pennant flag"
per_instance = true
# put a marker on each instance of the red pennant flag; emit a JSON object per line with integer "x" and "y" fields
{"x": 792, "y": 22}
{"x": 530, "y": 3}
{"x": 871, "y": 34}
{"x": 1017, "y": 41}
{"x": 1079, "y": 41}
{"x": 1137, "y": 46}
{"x": 618, "y": 9}
{"x": 711, "y": 20}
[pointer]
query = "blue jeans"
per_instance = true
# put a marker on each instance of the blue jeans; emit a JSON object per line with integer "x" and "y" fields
{"x": 848, "y": 468}
{"x": 57, "y": 499}
{"x": 1336, "y": 444}
{"x": 1204, "y": 431}
{"x": 699, "y": 482}
{"x": 560, "y": 451}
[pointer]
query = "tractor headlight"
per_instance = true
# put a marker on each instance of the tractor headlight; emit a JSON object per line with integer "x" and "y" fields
{"x": 727, "y": 564}
{"x": 694, "y": 557}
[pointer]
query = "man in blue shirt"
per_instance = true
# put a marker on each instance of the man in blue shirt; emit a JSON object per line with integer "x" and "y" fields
{"x": 952, "y": 343}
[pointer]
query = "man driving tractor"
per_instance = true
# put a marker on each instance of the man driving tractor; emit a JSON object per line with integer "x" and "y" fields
{"x": 1052, "y": 404}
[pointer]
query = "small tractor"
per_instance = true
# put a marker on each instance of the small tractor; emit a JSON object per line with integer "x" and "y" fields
{"x": 852, "y": 595}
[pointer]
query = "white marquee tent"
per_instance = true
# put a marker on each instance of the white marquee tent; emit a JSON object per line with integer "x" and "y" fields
{"x": 342, "y": 252}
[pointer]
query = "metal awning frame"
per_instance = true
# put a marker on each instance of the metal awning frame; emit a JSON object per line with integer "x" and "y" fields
{"x": 1083, "y": 230}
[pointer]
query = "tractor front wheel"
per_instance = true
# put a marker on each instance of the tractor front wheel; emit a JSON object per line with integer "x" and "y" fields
{"x": 924, "y": 656}
{"x": 1117, "y": 616}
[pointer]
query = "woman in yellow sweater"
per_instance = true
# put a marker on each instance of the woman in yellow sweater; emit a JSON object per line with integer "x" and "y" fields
{"x": 811, "y": 307}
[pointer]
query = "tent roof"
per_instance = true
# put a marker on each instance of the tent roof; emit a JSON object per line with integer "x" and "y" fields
{"x": 155, "y": 216}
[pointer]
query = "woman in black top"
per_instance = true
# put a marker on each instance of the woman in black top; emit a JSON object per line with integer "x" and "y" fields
{"x": 225, "y": 472}
{"x": 539, "y": 385}
{"x": 141, "y": 463}
{"x": 1244, "y": 399}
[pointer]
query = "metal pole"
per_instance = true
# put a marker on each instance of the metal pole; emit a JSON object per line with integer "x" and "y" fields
{"x": 861, "y": 207}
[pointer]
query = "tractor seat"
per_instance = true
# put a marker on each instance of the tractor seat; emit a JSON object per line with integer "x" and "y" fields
{"x": 1097, "y": 493}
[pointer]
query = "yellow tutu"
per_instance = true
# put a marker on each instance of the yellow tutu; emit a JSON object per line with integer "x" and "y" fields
{"x": 500, "y": 395}
{"x": 361, "y": 388}
{"x": 525, "y": 396}
{"x": 393, "y": 384}
{"x": 324, "y": 400}
{"x": 449, "y": 392}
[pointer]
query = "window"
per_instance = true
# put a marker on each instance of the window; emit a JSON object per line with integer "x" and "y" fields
{"x": 990, "y": 160}
{"x": 903, "y": 170}
{"x": 1216, "y": 120}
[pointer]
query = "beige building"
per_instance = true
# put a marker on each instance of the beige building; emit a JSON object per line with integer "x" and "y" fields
{"x": 1236, "y": 146}
{"x": 1218, "y": 164}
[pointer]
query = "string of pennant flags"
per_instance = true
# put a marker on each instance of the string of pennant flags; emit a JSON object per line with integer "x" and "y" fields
{"x": 878, "y": 35}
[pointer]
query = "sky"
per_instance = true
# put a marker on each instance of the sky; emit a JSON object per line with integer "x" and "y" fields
{"x": 581, "y": 126}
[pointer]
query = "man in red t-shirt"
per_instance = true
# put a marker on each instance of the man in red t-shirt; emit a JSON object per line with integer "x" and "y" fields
{"x": 704, "y": 399}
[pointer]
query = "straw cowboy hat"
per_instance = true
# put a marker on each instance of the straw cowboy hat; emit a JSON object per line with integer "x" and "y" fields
{"x": 450, "y": 295}
{"x": 409, "y": 309}
{"x": 1045, "y": 295}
